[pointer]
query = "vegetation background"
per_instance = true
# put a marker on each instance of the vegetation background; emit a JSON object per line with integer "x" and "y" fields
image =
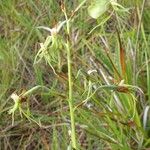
{"x": 110, "y": 78}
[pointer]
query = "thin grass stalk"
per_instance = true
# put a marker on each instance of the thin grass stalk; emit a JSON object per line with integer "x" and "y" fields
{"x": 140, "y": 15}
{"x": 70, "y": 100}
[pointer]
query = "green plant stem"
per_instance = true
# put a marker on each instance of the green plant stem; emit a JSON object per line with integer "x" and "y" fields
{"x": 34, "y": 89}
{"x": 70, "y": 100}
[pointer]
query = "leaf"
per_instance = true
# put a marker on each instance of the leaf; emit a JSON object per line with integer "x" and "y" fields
{"x": 122, "y": 55}
{"x": 98, "y": 7}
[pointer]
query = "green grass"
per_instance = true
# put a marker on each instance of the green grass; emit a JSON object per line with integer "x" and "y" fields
{"x": 87, "y": 90}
